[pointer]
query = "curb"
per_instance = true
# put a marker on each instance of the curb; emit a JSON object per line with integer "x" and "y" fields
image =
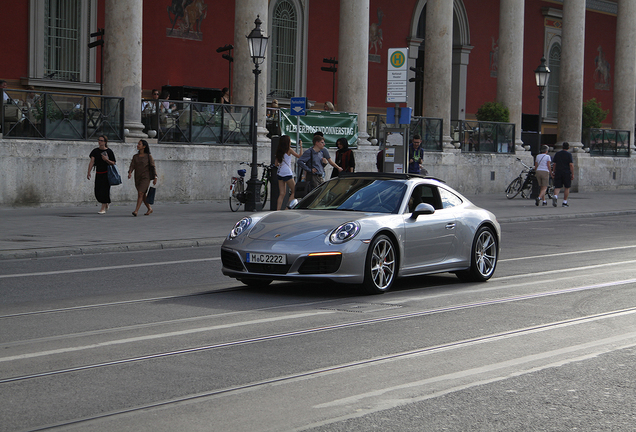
{"x": 109, "y": 248}
{"x": 566, "y": 216}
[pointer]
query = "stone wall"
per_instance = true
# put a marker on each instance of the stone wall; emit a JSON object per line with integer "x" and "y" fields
{"x": 34, "y": 172}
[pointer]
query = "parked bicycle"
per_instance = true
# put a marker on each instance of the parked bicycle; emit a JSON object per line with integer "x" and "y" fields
{"x": 524, "y": 185}
{"x": 238, "y": 186}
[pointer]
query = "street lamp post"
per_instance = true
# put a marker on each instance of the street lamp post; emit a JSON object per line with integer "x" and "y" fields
{"x": 258, "y": 44}
{"x": 541, "y": 74}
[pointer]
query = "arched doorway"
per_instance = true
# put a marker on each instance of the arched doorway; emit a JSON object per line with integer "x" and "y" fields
{"x": 461, "y": 53}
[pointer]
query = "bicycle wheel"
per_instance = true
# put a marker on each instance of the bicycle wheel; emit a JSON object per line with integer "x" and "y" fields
{"x": 513, "y": 188}
{"x": 526, "y": 190}
{"x": 237, "y": 191}
{"x": 263, "y": 197}
{"x": 549, "y": 192}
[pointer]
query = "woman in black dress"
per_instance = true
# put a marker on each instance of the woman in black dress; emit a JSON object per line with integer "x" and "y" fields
{"x": 344, "y": 158}
{"x": 101, "y": 157}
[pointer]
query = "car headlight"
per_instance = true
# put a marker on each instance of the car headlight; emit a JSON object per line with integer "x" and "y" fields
{"x": 240, "y": 227}
{"x": 344, "y": 232}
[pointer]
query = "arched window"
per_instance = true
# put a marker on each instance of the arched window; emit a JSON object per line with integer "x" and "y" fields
{"x": 284, "y": 49}
{"x": 552, "y": 97}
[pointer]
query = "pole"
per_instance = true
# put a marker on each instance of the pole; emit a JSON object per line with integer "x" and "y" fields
{"x": 253, "y": 184}
{"x": 230, "y": 75}
{"x": 333, "y": 88}
{"x": 540, "y": 114}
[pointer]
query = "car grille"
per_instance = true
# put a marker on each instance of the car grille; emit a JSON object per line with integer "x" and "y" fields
{"x": 231, "y": 260}
{"x": 320, "y": 264}
{"x": 267, "y": 268}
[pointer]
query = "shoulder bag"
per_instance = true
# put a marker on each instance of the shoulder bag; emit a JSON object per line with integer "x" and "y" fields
{"x": 114, "y": 178}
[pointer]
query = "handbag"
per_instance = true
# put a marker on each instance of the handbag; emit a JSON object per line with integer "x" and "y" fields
{"x": 114, "y": 178}
{"x": 150, "y": 198}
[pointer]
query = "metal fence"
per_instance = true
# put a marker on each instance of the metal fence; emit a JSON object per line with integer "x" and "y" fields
{"x": 197, "y": 122}
{"x": 430, "y": 129}
{"x": 483, "y": 137}
{"x": 61, "y": 116}
{"x": 607, "y": 142}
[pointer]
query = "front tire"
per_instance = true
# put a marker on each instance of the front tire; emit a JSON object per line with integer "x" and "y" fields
{"x": 484, "y": 256}
{"x": 513, "y": 188}
{"x": 381, "y": 266}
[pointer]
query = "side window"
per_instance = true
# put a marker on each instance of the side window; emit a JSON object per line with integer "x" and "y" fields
{"x": 449, "y": 199}
{"x": 424, "y": 194}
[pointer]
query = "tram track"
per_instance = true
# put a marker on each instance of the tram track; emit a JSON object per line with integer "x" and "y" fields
{"x": 277, "y": 336}
{"x": 356, "y": 364}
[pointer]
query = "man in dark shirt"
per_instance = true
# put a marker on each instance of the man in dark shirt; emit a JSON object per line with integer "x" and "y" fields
{"x": 563, "y": 174}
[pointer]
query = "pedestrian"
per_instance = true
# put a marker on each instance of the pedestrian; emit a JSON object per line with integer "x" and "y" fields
{"x": 328, "y": 106}
{"x": 563, "y": 173}
{"x": 285, "y": 174}
{"x": 145, "y": 170}
{"x": 101, "y": 157}
{"x": 344, "y": 158}
{"x": 416, "y": 156}
{"x": 311, "y": 162}
{"x": 543, "y": 172}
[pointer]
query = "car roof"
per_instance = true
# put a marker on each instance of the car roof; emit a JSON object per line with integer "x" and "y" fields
{"x": 388, "y": 176}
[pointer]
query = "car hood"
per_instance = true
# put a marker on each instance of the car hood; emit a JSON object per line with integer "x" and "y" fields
{"x": 300, "y": 225}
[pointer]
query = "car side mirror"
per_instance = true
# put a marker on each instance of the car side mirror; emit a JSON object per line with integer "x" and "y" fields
{"x": 292, "y": 203}
{"x": 421, "y": 209}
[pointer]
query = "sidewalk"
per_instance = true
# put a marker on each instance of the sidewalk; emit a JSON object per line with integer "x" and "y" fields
{"x": 28, "y": 232}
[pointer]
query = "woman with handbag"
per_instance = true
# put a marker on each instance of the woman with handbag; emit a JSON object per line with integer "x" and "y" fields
{"x": 101, "y": 158}
{"x": 144, "y": 167}
{"x": 285, "y": 174}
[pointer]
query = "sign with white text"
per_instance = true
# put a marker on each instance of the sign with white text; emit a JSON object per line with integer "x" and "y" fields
{"x": 397, "y": 75}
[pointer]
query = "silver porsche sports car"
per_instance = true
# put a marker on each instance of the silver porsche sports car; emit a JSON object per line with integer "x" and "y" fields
{"x": 367, "y": 229}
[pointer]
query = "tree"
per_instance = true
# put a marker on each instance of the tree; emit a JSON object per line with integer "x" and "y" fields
{"x": 593, "y": 114}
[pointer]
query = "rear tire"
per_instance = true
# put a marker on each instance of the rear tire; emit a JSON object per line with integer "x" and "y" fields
{"x": 235, "y": 203}
{"x": 484, "y": 256}
{"x": 381, "y": 266}
{"x": 263, "y": 197}
{"x": 513, "y": 188}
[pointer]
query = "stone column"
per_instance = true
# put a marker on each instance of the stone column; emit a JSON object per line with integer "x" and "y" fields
{"x": 510, "y": 71}
{"x": 122, "y": 59}
{"x": 245, "y": 14}
{"x": 625, "y": 74}
{"x": 571, "y": 75}
{"x": 438, "y": 64}
{"x": 353, "y": 62}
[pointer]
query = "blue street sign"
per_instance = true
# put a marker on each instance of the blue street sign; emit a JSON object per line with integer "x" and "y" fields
{"x": 298, "y": 105}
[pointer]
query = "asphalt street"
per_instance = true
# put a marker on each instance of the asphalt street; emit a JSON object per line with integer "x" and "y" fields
{"x": 35, "y": 232}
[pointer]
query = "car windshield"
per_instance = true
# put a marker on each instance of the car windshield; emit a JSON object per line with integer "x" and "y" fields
{"x": 356, "y": 194}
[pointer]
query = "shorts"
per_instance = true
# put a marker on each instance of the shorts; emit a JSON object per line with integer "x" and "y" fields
{"x": 562, "y": 179}
{"x": 543, "y": 178}
{"x": 286, "y": 178}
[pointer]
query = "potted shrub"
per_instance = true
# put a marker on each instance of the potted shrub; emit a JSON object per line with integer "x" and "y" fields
{"x": 493, "y": 112}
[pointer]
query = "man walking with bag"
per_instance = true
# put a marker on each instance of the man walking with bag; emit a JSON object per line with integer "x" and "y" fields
{"x": 311, "y": 162}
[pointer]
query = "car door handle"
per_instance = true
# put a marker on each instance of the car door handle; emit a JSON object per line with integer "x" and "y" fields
{"x": 451, "y": 225}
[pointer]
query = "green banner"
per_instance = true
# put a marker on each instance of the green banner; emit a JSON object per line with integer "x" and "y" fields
{"x": 332, "y": 124}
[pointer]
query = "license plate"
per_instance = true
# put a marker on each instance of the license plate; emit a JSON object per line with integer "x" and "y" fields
{"x": 260, "y": 258}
